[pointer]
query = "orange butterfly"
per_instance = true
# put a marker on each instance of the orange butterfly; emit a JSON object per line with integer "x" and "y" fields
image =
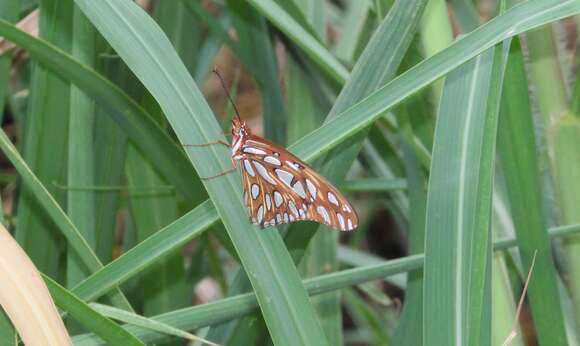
{"x": 280, "y": 188}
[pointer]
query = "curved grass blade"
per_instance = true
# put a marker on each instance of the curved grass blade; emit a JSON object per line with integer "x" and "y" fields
{"x": 103, "y": 327}
{"x": 237, "y": 306}
{"x": 137, "y": 39}
{"x": 413, "y": 307}
{"x": 517, "y": 150}
{"x": 81, "y": 152}
{"x": 145, "y": 322}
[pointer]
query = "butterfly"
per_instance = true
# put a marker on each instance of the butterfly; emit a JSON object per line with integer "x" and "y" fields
{"x": 280, "y": 188}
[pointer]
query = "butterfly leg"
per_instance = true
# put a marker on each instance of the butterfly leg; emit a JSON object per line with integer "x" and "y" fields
{"x": 206, "y": 144}
{"x": 219, "y": 175}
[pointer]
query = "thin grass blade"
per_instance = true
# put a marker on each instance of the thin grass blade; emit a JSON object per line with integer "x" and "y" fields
{"x": 517, "y": 150}
{"x": 106, "y": 329}
{"x": 44, "y": 141}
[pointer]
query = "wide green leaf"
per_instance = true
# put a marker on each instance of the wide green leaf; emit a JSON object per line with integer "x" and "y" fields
{"x": 457, "y": 249}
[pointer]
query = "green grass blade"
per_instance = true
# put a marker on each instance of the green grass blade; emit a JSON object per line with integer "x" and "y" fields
{"x": 136, "y": 320}
{"x": 356, "y": 118}
{"x": 315, "y": 15}
{"x": 81, "y": 204}
{"x": 182, "y": 29}
{"x": 457, "y": 249}
{"x": 106, "y": 329}
{"x": 353, "y": 27}
{"x": 374, "y": 185}
{"x": 301, "y": 37}
{"x": 517, "y": 149}
{"x": 109, "y": 166}
{"x": 566, "y": 139}
{"x": 44, "y": 141}
{"x": 237, "y": 306}
{"x": 283, "y": 301}
{"x": 357, "y": 258}
{"x": 169, "y": 159}
{"x": 436, "y": 35}
{"x": 406, "y": 331}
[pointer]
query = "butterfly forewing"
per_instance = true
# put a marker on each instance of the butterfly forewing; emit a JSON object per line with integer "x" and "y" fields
{"x": 280, "y": 188}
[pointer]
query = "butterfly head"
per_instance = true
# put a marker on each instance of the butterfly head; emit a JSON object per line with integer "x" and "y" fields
{"x": 239, "y": 134}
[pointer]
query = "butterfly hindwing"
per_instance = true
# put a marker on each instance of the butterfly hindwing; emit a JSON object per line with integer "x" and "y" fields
{"x": 280, "y": 188}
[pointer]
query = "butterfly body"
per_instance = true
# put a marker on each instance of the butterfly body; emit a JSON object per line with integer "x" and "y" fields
{"x": 280, "y": 188}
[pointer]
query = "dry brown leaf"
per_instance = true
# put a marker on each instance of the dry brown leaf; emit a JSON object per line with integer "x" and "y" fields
{"x": 25, "y": 298}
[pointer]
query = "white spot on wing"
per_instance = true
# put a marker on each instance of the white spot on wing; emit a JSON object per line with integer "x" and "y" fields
{"x": 278, "y": 199}
{"x": 268, "y": 202}
{"x": 349, "y": 224}
{"x": 299, "y": 189}
{"x": 302, "y": 213}
{"x": 272, "y": 160}
{"x": 286, "y": 217}
{"x": 291, "y": 217}
{"x": 332, "y": 198}
{"x": 252, "y": 150}
{"x": 322, "y": 211}
{"x": 255, "y": 191}
{"x": 340, "y": 220}
{"x": 293, "y": 208}
{"x": 346, "y": 208}
{"x": 285, "y": 176}
{"x": 264, "y": 173}
{"x": 260, "y": 213}
{"x": 278, "y": 218}
{"x": 293, "y": 165}
{"x": 248, "y": 168}
{"x": 311, "y": 188}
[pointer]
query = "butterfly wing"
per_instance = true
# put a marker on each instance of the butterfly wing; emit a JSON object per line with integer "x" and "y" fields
{"x": 280, "y": 188}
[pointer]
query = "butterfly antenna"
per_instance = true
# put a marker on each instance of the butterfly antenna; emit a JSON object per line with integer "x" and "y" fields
{"x": 227, "y": 92}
